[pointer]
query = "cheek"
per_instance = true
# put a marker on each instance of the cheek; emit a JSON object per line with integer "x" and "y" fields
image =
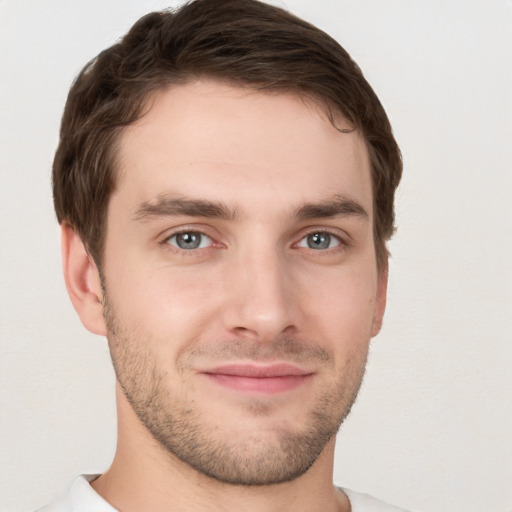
{"x": 163, "y": 301}
{"x": 344, "y": 308}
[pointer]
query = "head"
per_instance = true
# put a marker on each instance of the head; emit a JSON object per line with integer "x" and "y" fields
{"x": 241, "y": 42}
{"x": 229, "y": 175}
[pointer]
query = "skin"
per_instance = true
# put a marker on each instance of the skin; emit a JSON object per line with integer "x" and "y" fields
{"x": 257, "y": 292}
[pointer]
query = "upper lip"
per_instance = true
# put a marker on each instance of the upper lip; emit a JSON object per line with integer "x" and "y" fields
{"x": 258, "y": 371}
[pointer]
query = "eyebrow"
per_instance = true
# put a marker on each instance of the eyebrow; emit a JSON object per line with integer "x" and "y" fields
{"x": 340, "y": 205}
{"x": 165, "y": 206}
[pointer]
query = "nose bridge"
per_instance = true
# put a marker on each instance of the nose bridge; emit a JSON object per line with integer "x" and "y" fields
{"x": 261, "y": 301}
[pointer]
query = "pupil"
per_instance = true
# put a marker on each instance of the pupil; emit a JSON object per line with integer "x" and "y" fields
{"x": 319, "y": 240}
{"x": 188, "y": 240}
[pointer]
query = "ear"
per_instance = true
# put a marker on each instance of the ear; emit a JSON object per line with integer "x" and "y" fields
{"x": 380, "y": 302}
{"x": 82, "y": 281}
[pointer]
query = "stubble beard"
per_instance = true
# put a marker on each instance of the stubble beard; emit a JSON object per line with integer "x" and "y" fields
{"x": 180, "y": 429}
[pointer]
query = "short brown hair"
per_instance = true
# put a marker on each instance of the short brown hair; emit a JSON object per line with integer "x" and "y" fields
{"x": 244, "y": 42}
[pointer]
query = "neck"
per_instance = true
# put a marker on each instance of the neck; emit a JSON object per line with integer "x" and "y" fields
{"x": 144, "y": 476}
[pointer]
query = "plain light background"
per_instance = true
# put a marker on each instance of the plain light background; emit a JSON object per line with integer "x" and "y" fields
{"x": 432, "y": 427}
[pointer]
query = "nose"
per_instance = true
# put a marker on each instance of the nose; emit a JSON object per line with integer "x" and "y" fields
{"x": 262, "y": 300}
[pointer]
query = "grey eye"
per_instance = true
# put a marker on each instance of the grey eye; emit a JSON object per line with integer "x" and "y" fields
{"x": 189, "y": 240}
{"x": 319, "y": 241}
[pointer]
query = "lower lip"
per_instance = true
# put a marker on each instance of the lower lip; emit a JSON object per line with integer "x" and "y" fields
{"x": 263, "y": 385}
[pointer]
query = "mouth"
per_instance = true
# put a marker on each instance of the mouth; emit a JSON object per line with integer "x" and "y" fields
{"x": 267, "y": 379}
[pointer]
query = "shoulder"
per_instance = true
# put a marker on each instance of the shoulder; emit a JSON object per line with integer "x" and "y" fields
{"x": 81, "y": 497}
{"x": 365, "y": 503}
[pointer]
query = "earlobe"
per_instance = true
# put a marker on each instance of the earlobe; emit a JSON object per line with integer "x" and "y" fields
{"x": 82, "y": 281}
{"x": 380, "y": 302}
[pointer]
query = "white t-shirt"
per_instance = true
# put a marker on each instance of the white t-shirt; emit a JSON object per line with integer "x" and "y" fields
{"x": 81, "y": 497}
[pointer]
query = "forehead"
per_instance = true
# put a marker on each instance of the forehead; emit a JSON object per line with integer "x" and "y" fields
{"x": 222, "y": 142}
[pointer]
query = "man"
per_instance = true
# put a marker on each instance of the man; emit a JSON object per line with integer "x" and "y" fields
{"x": 224, "y": 182}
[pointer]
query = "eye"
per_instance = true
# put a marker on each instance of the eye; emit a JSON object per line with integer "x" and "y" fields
{"x": 319, "y": 240}
{"x": 189, "y": 240}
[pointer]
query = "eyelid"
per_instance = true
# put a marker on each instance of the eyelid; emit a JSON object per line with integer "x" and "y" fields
{"x": 203, "y": 236}
{"x": 164, "y": 237}
{"x": 337, "y": 233}
{"x": 303, "y": 243}
{"x": 183, "y": 228}
{"x": 340, "y": 235}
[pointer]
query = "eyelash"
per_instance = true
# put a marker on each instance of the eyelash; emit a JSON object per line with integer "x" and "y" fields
{"x": 340, "y": 243}
{"x": 166, "y": 241}
{"x": 340, "y": 246}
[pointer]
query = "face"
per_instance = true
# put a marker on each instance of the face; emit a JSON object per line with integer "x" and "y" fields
{"x": 241, "y": 287}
